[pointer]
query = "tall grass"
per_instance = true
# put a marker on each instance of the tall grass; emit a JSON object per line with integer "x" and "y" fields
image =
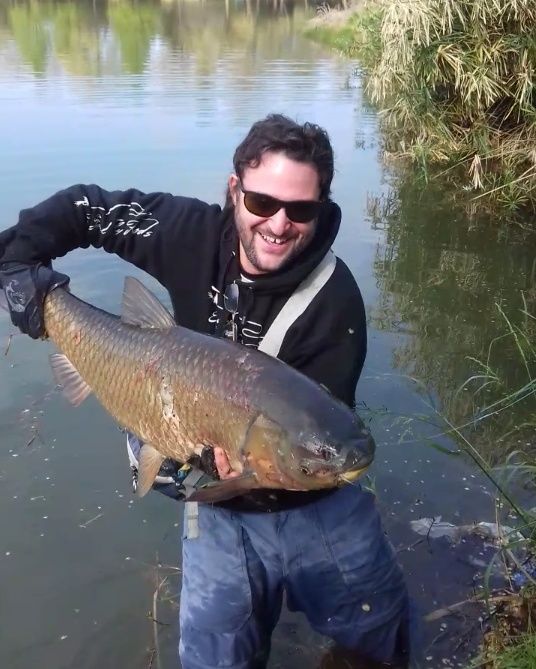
{"x": 511, "y": 642}
{"x": 455, "y": 80}
{"x": 519, "y": 467}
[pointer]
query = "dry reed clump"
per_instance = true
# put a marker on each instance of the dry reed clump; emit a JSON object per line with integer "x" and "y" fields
{"x": 456, "y": 79}
{"x": 511, "y": 641}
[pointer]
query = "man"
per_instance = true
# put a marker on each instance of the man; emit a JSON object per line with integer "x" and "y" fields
{"x": 230, "y": 272}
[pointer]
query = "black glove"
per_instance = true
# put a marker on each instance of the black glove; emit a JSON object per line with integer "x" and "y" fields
{"x": 25, "y": 288}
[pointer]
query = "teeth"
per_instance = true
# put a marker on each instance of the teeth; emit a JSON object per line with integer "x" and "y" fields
{"x": 274, "y": 240}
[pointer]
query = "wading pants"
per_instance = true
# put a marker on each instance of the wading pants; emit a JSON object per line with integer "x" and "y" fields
{"x": 332, "y": 559}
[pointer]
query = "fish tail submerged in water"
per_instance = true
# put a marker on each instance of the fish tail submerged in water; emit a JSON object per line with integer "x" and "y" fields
{"x": 180, "y": 391}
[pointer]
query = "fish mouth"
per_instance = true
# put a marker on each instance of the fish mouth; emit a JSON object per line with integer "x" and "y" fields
{"x": 335, "y": 473}
{"x": 356, "y": 456}
{"x": 351, "y": 476}
{"x": 347, "y": 465}
{"x": 356, "y": 460}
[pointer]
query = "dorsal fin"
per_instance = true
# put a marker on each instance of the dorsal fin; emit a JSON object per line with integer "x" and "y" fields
{"x": 140, "y": 307}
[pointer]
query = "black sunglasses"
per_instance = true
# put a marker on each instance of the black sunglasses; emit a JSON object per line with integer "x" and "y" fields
{"x": 299, "y": 211}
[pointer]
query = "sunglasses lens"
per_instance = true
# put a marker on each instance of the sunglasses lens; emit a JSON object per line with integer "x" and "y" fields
{"x": 302, "y": 212}
{"x": 261, "y": 205}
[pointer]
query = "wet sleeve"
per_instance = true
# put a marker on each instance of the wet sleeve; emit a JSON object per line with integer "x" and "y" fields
{"x": 134, "y": 225}
{"x": 329, "y": 342}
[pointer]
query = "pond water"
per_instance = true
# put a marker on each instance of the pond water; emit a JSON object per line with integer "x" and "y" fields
{"x": 156, "y": 96}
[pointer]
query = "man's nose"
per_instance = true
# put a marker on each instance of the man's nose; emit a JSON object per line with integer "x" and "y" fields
{"x": 279, "y": 222}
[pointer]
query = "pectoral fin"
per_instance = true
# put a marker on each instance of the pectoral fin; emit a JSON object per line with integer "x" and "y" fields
{"x": 150, "y": 461}
{"x": 227, "y": 489}
{"x": 74, "y": 388}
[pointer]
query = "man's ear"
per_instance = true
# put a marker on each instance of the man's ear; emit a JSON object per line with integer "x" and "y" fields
{"x": 232, "y": 183}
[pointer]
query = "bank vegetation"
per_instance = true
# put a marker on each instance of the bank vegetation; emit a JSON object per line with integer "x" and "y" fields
{"x": 454, "y": 81}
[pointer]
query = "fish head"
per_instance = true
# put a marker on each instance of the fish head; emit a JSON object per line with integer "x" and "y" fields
{"x": 308, "y": 454}
{"x": 322, "y": 461}
{"x": 331, "y": 453}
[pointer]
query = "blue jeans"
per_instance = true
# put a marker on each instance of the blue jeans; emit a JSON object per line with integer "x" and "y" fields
{"x": 332, "y": 559}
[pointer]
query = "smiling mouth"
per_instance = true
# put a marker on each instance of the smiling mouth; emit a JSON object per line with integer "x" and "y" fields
{"x": 276, "y": 241}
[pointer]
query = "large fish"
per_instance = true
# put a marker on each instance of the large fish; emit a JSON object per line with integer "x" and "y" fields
{"x": 180, "y": 390}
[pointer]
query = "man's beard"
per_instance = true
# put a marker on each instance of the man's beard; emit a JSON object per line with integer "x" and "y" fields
{"x": 247, "y": 240}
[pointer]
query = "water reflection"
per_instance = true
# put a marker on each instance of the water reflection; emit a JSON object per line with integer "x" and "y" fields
{"x": 91, "y": 92}
{"x": 456, "y": 288}
{"x": 89, "y": 38}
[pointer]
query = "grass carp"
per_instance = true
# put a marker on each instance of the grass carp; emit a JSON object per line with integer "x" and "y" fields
{"x": 179, "y": 390}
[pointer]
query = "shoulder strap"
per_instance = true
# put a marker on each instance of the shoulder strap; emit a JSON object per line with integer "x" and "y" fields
{"x": 297, "y": 303}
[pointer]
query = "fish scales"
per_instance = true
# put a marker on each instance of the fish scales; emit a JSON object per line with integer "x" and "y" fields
{"x": 163, "y": 373}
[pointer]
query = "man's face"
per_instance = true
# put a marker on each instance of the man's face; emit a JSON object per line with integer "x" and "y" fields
{"x": 268, "y": 243}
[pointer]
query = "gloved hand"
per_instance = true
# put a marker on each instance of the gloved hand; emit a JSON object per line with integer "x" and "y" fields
{"x": 25, "y": 288}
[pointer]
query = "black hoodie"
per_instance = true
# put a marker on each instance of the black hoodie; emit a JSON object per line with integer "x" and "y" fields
{"x": 192, "y": 249}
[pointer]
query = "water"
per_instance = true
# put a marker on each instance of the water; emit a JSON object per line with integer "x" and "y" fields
{"x": 157, "y": 96}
